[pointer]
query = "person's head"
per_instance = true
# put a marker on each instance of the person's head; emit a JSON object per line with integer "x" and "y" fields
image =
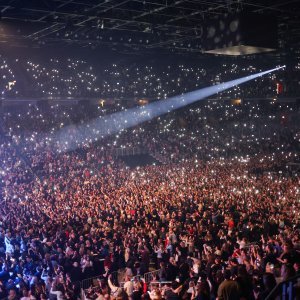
{"x": 191, "y": 283}
{"x": 12, "y": 294}
{"x": 236, "y": 246}
{"x": 136, "y": 286}
{"x": 43, "y": 297}
{"x": 217, "y": 260}
{"x": 174, "y": 285}
{"x": 297, "y": 266}
{"x": 172, "y": 260}
{"x": 156, "y": 294}
{"x": 233, "y": 261}
{"x": 269, "y": 248}
{"x": 202, "y": 288}
{"x": 242, "y": 271}
{"x": 287, "y": 247}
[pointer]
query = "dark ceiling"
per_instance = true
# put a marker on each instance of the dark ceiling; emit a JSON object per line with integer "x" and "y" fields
{"x": 174, "y": 25}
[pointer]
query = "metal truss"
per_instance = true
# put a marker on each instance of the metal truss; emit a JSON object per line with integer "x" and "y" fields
{"x": 174, "y": 24}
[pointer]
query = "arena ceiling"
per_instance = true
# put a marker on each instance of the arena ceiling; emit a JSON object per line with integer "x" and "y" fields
{"x": 133, "y": 24}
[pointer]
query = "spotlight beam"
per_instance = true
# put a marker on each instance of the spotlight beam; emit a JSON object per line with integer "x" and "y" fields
{"x": 119, "y": 121}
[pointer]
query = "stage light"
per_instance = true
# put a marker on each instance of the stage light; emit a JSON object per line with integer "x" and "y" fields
{"x": 116, "y": 122}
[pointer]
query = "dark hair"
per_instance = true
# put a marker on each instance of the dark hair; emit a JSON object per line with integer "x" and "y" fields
{"x": 242, "y": 271}
{"x": 174, "y": 285}
{"x": 289, "y": 271}
{"x": 227, "y": 274}
{"x": 269, "y": 281}
{"x": 204, "y": 288}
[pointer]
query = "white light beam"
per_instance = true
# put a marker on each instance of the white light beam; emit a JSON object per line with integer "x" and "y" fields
{"x": 116, "y": 122}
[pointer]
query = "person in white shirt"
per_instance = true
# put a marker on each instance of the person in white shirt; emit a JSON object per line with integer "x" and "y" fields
{"x": 128, "y": 287}
{"x": 115, "y": 291}
{"x": 8, "y": 246}
{"x": 242, "y": 243}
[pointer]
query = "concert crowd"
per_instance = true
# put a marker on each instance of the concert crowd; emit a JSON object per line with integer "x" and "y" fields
{"x": 216, "y": 213}
{"x": 77, "y": 78}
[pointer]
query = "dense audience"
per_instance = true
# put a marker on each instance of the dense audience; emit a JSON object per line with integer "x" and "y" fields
{"x": 74, "y": 78}
{"x": 217, "y": 214}
{"x": 7, "y": 78}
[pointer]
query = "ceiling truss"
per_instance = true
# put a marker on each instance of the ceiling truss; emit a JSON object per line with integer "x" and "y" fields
{"x": 134, "y": 23}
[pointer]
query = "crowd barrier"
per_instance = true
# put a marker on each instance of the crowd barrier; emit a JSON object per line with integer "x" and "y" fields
{"x": 286, "y": 290}
{"x": 128, "y": 151}
{"x": 151, "y": 275}
{"x": 87, "y": 283}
